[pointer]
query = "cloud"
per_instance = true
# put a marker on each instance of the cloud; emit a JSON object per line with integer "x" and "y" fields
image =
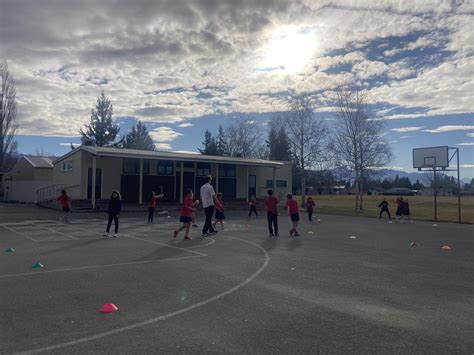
{"x": 69, "y": 144}
{"x": 442, "y": 129}
{"x": 184, "y": 125}
{"x": 169, "y": 61}
{"x": 471, "y": 135}
{"x": 163, "y": 146}
{"x": 405, "y": 137}
{"x": 164, "y": 134}
{"x": 185, "y": 151}
{"x": 465, "y": 143}
{"x": 407, "y": 129}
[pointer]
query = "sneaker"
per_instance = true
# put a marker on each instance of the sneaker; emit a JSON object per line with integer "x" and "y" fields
{"x": 214, "y": 232}
{"x": 291, "y": 233}
{"x": 195, "y": 225}
{"x": 271, "y": 235}
{"x": 187, "y": 238}
{"x": 175, "y": 234}
{"x": 204, "y": 235}
{"x": 297, "y": 234}
{"x": 115, "y": 235}
{"x": 277, "y": 235}
{"x": 106, "y": 234}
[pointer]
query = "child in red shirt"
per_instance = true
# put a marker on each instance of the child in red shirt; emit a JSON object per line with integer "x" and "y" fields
{"x": 253, "y": 206}
{"x": 219, "y": 211}
{"x": 293, "y": 212}
{"x": 271, "y": 204}
{"x": 186, "y": 214}
{"x": 152, "y": 205}
{"x": 65, "y": 202}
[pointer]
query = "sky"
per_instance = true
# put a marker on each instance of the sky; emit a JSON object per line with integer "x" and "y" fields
{"x": 185, "y": 66}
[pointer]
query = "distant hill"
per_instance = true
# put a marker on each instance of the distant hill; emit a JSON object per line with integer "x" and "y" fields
{"x": 421, "y": 176}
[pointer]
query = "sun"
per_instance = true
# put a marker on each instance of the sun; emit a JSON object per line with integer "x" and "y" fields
{"x": 290, "y": 48}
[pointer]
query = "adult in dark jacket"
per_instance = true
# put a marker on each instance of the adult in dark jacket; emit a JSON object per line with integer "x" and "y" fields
{"x": 115, "y": 207}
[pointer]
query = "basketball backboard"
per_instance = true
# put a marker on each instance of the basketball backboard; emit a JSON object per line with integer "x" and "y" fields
{"x": 431, "y": 157}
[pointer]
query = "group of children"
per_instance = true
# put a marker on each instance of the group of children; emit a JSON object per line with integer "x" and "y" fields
{"x": 403, "y": 209}
{"x": 188, "y": 209}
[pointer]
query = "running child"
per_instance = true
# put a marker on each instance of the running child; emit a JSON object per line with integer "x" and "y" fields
{"x": 253, "y": 206}
{"x": 399, "y": 213}
{"x": 310, "y": 207}
{"x": 384, "y": 208}
{"x": 115, "y": 207}
{"x": 271, "y": 208}
{"x": 65, "y": 202}
{"x": 219, "y": 211}
{"x": 293, "y": 212}
{"x": 152, "y": 205}
{"x": 186, "y": 213}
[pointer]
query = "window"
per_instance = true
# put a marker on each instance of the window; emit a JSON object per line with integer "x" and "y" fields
{"x": 188, "y": 164}
{"x": 281, "y": 183}
{"x": 269, "y": 184}
{"x": 226, "y": 170}
{"x": 203, "y": 169}
{"x": 67, "y": 165}
{"x": 132, "y": 166}
{"x": 164, "y": 167}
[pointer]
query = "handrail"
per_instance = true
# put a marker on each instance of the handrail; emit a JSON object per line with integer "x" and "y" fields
{"x": 48, "y": 193}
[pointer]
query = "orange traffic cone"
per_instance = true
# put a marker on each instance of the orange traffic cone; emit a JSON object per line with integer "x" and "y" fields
{"x": 109, "y": 308}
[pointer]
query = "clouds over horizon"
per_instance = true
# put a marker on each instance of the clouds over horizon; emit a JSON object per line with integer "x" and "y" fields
{"x": 171, "y": 61}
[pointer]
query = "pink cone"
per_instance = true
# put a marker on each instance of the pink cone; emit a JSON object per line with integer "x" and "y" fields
{"x": 109, "y": 308}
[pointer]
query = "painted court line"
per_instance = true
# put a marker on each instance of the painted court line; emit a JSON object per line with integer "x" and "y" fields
{"x": 149, "y": 241}
{"x": 99, "y": 266}
{"x": 165, "y": 316}
{"x": 23, "y": 235}
{"x": 53, "y": 230}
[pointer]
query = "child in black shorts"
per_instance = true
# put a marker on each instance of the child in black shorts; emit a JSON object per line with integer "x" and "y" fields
{"x": 293, "y": 212}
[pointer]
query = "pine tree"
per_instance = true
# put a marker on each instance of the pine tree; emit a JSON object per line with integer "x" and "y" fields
{"x": 139, "y": 138}
{"x": 221, "y": 143}
{"x": 209, "y": 143}
{"x": 278, "y": 144}
{"x": 101, "y": 131}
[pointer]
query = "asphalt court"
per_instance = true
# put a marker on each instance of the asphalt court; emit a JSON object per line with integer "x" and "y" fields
{"x": 238, "y": 291}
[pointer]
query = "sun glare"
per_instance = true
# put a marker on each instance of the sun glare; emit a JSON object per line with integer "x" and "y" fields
{"x": 289, "y": 49}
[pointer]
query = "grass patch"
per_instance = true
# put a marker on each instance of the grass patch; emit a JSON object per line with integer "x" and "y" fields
{"x": 421, "y": 207}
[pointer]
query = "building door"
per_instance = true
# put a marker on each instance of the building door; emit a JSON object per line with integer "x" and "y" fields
{"x": 129, "y": 188}
{"x": 98, "y": 183}
{"x": 252, "y": 185}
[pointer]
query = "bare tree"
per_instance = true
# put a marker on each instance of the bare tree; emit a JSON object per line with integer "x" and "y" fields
{"x": 307, "y": 136}
{"x": 8, "y": 125}
{"x": 358, "y": 143}
{"x": 244, "y": 138}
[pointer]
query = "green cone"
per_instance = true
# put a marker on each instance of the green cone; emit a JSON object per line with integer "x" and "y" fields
{"x": 38, "y": 265}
